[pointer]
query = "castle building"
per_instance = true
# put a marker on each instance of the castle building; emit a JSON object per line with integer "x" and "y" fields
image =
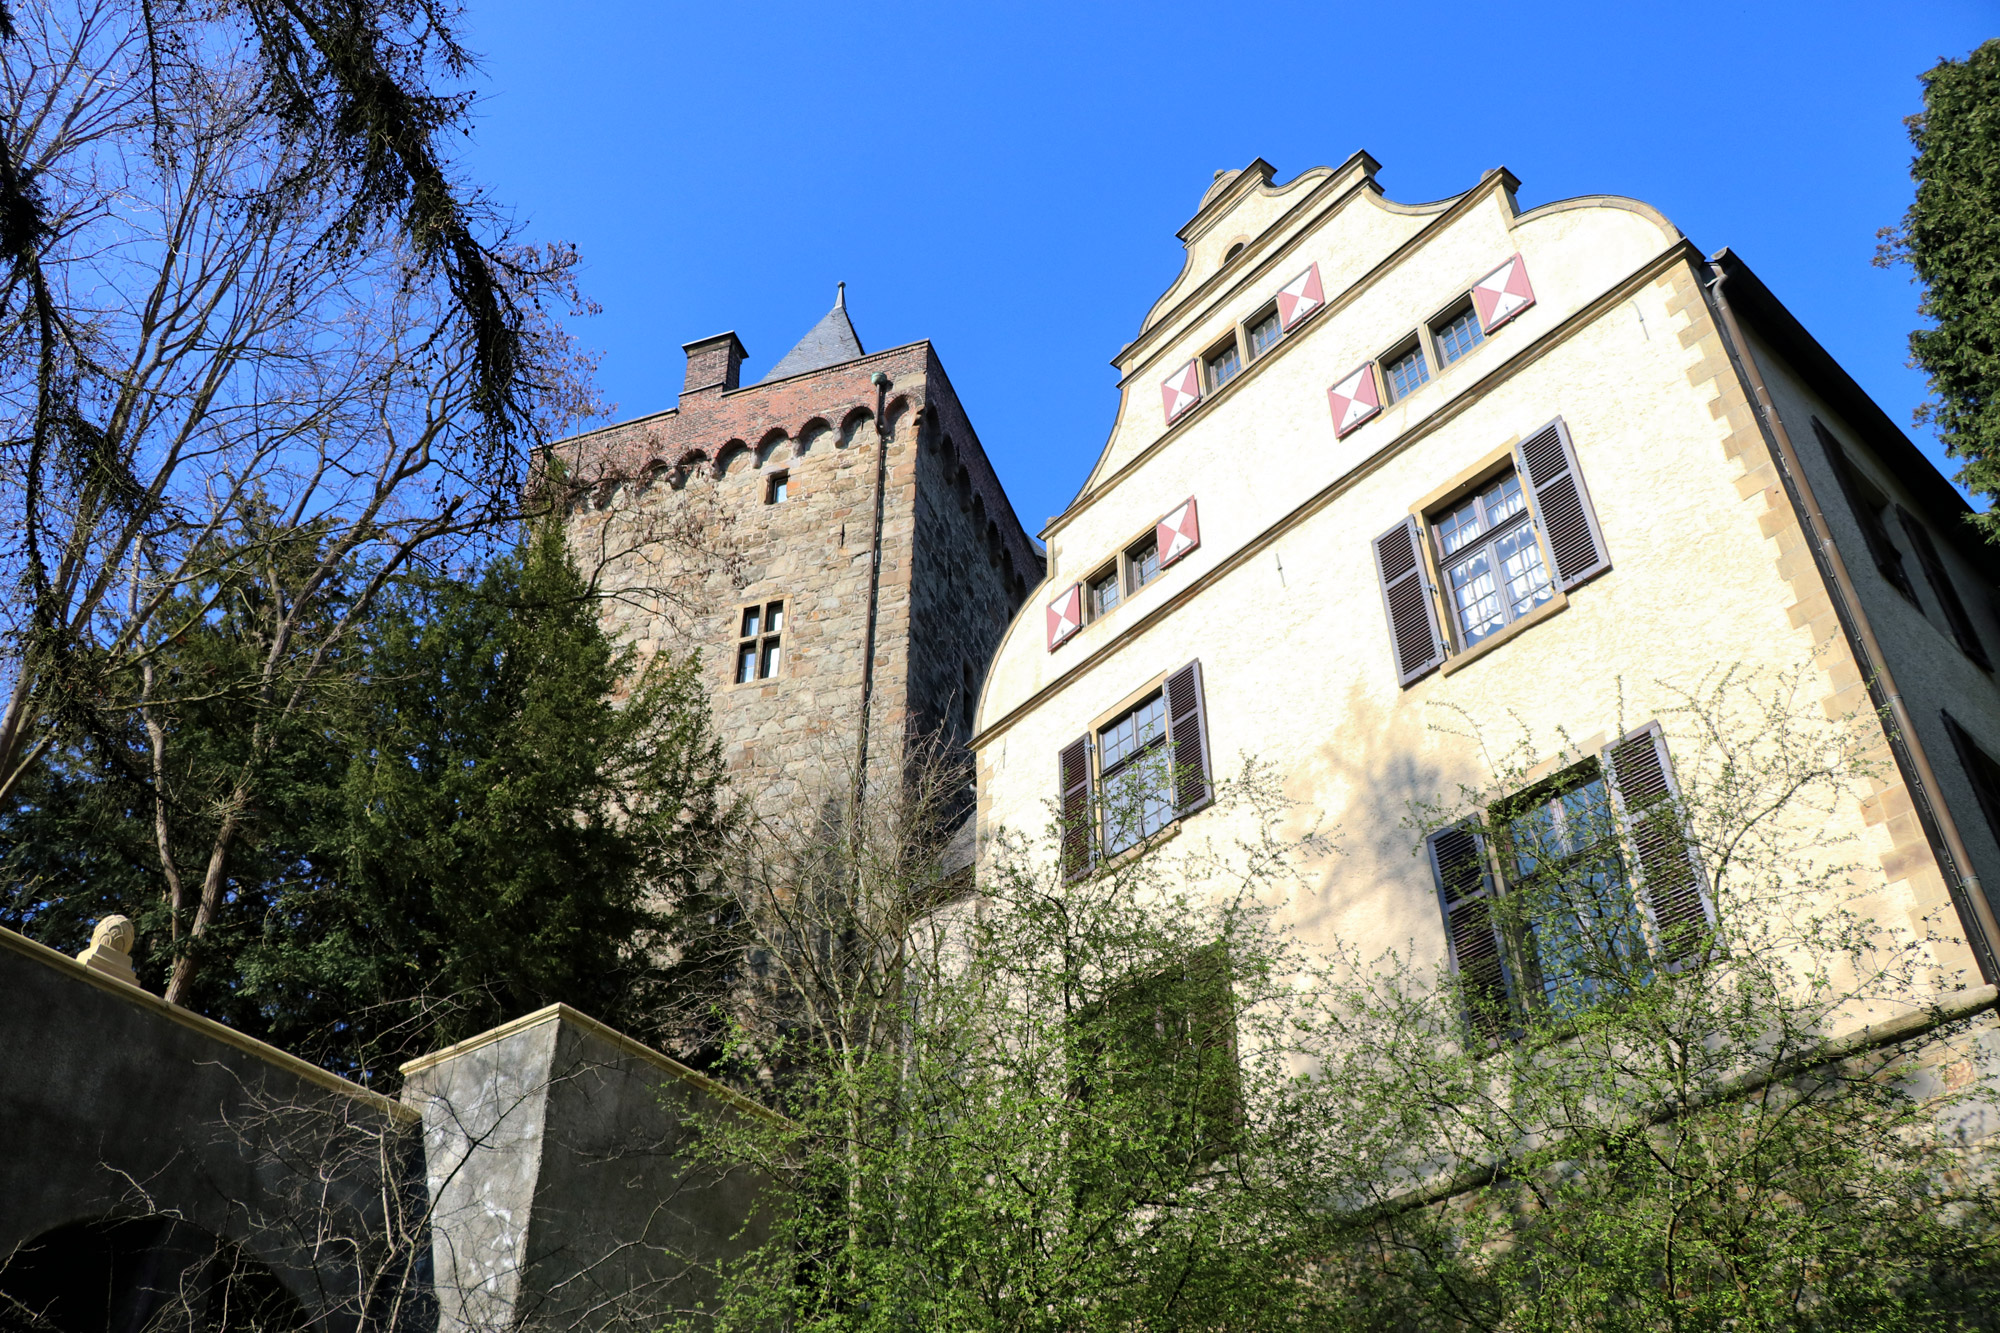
{"x": 1387, "y": 476}
{"x": 831, "y": 539}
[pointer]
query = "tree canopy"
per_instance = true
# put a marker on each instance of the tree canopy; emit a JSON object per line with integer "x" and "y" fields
{"x": 1951, "y": 237}
{"x": 490, "y": 808}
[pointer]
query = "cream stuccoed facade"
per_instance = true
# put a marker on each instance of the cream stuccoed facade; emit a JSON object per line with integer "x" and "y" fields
{"x": 1731, "y": 498}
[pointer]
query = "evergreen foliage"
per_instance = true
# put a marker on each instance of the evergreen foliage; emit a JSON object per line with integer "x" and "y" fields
{"x": 1951, "y": 237}
{"x": 486, "y": 811}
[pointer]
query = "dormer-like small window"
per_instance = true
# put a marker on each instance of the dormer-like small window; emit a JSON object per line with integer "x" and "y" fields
{"x": 1265, "y": 331}
{"x": 1221, "y": 364}
{"x": 1406, "y": 371}
{"x": 1234, "y": 251}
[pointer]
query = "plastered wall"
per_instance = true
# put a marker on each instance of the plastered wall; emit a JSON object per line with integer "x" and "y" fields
{"x": 1281, "y": 602}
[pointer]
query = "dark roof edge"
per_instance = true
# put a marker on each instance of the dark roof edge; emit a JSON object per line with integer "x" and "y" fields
{"x": 936, "y": 367}
{"x": 1782, "y": 329}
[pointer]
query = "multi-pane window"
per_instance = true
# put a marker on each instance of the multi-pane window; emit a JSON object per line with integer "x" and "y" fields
{"x": 1264, "y": 335}
{"x": 1157, "y": 1057}
{"x": 758, "y": 640}
{"x": 1406, "y": 373}
{"x": 1222, "y": 364}
{"x": 776, "y": 487}
{"x": 1458, "y": 335}
{"x": 1491, "y": 559}
{"x": 1590, "y": 884}
{"x": 1577, "y": 916}
{"x": 1135, "y": 768}
{"x": 1142, "y": 563}
{"x": 1102, "y": 592}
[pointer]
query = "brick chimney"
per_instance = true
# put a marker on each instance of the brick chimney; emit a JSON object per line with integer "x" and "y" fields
{"x": 713, "y": 363}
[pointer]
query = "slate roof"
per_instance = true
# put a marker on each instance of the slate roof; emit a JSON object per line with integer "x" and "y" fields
{"x": 827, "y": 343}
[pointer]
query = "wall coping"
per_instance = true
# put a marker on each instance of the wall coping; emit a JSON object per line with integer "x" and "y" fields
{"x": 562, "y": 1013}
{"x": 207, "y": 1027}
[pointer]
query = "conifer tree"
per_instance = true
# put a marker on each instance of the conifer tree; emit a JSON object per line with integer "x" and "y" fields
{"x": 1951, "y": 237}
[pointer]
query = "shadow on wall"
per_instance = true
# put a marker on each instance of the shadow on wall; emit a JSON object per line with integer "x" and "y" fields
{"x": 117, "y": 1274}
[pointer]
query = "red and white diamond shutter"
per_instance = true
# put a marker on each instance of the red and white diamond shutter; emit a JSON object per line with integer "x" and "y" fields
{"x": 1178, "y": 533}
{"x": 1503, "y": 294}
{"x": 1065, "y": 615}
{"x": 1299, "y": 298}
{"x": 1354, "y": 399}
{"x": 1181, "y": 390}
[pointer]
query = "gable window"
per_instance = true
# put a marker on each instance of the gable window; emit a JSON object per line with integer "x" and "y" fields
{"x": 776, "y": 488}
{"x": 1142, "y": 563}
{"x": 1222, "y": 364}
{"x": 1406, "y": 373}
{"x": 758, "y": 638}
{"x": 1491, "y": 559}
{"x": 1102, "y": 592}
{"x": 1264, "y": 333}
{"x": 1135, "y": 772}
{"x": 1589, "y": 884}
{"x": 1457, "y": 335}
{"x": 1507, "y": 540}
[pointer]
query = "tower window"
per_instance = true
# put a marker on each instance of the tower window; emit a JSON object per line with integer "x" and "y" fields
{"x": 776, "y": 488}
{"x": 758, "y": 638}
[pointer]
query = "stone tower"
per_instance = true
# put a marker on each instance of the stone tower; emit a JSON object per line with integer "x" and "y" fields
{"x": 831, "y": 539}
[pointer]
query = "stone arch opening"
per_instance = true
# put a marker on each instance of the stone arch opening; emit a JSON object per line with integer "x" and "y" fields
{"x": 812, "y": 434}
{"x": 773, "y": 448}
{"x": 153, "y": 1273}
{"x": 851, "y": 424}
{"x": 734, "y": 460}
{"x": 961, "y": 482}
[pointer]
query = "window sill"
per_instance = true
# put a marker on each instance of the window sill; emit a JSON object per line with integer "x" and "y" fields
{"x": 1553, "y": 606}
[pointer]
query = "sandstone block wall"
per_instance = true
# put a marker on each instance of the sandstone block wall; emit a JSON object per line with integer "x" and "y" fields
{"x": 671, "y": 512}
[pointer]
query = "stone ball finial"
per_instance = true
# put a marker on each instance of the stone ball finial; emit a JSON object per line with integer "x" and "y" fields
{"x": 114, "y": 932}
{"x": 110, "y": 950}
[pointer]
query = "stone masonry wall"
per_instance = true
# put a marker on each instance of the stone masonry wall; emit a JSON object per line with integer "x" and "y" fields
{"x": 967, "y": 581}
{"x": 670, "y": 512}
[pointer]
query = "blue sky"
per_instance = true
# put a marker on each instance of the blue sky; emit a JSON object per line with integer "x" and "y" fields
{"x": 1007, "y": 180}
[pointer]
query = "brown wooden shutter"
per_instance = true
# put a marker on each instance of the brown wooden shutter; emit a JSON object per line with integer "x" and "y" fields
{"x": 1078, "y": 840}
{"x": 1562, "y": 506}
{"x": 1466, "y": 897}
{"x": 1668, "y": 867}
{"x": 1406, "y": 596}
{"x": 1867, "y": 511}
{"x": 1944, "y": 588}
{"x": 1187, "y": 731}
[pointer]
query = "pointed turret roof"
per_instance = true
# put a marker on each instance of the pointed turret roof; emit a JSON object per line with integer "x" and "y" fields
{"x": 827, "y": 343}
